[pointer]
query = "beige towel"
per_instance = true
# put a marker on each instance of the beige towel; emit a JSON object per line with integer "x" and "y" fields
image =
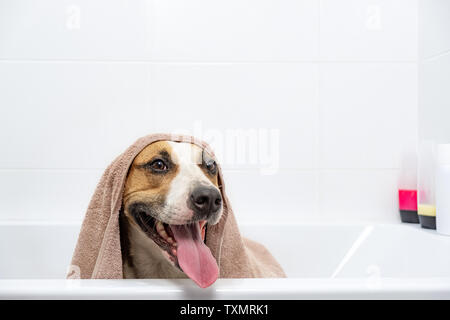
{"x": 98, "y": 255}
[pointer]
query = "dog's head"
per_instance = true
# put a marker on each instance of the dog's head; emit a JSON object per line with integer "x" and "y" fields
{"x": 171, "y": 194}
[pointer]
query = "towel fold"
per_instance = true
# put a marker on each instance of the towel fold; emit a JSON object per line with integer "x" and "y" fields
{"x": 98, "y": 253}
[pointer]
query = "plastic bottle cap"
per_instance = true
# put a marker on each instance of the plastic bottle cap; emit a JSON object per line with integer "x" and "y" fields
{"x": 443, "y": 154}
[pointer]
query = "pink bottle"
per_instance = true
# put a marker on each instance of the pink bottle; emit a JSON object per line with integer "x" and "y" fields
{"x": 407, "y": 188}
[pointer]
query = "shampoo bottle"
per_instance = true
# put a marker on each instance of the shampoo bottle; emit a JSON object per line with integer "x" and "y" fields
{"x": 407, "y": 188}
{"x": 426, "y": 185}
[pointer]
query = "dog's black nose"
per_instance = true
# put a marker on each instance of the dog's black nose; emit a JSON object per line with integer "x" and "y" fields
{"x": 205, "y": 200}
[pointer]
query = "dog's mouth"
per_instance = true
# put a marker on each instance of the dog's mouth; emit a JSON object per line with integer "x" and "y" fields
{"x": 184, "y": 245}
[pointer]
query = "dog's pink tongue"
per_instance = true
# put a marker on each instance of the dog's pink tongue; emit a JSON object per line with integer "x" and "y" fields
{"x": 194, "y": 257}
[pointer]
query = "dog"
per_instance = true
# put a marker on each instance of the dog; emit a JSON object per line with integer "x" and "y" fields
{"x": 171, "y": 196}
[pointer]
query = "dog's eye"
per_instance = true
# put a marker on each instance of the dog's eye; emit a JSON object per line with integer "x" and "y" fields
{"x": 158, "y": 165}
{"x": 211, "y": 166}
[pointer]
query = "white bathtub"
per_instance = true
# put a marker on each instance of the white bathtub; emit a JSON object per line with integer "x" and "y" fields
{"x": 321, "y": 261}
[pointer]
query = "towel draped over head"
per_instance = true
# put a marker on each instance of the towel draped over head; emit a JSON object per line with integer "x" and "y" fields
{"x": 98, "y": 253}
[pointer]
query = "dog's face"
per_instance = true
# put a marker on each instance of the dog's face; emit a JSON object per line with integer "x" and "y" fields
{"x": 171, "y": 187}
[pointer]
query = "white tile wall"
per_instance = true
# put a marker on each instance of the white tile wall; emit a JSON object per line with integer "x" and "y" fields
{"x": 56, "y": 194}
{"x": 434, "y": 23}
{"x": 254, "y": 30}
{"x": 434, "y": 111}
{"x": 70, "y": 115}
{"x": 336, "y": 80}
{"x": 279, "y": 96}
{"x": 272, "y": 198}
{"x": 355, "y": 99}
{"x": 368, "y": 195}
{"x": 434, "y": 70}
{"x": 364, "y": 30}
{"x": 73, "y": 29}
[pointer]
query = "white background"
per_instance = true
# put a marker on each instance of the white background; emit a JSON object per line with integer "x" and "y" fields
{"x": 81, "y": 80}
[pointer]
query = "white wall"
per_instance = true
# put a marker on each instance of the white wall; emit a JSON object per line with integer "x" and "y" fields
{"x": 337, "y": 80}
{"x": 434, "y": 70}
